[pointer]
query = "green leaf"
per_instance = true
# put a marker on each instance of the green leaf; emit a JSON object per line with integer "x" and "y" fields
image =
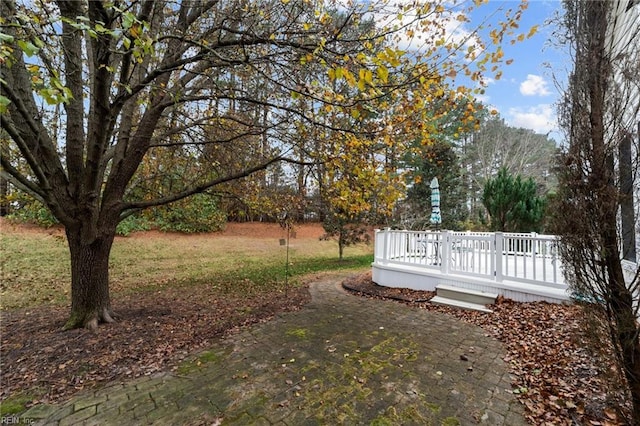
{"x": 57, "y": 84}
{"x": 6, "y": 38}
{"x": 127, "y": 20}
{"x": 39, "y": 43}
{"x": 4, "y": 104}
{"x": 49, "y": 95}
{"x": 66, "y": 94}
{"x": 27, "y": 47}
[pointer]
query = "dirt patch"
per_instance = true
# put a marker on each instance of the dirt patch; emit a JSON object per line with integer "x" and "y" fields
{"x": 364, "y": 286}
{"x": 231, "y": 229}
{"x": 7, "y": 225}
{"x": 272, "y": 230}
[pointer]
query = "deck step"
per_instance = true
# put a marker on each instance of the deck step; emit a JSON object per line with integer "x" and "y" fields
{"x": 466, "y": 295}
{"x": 439, "y": 300}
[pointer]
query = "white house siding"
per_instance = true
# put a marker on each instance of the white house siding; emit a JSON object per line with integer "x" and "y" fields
{"x": 624, "y": 48}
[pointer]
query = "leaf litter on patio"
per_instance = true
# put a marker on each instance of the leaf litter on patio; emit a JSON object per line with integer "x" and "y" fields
{"x": 556, "y": 375}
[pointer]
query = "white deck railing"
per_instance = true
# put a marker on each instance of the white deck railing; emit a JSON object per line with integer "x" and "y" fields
{"x": 529, "y": 258}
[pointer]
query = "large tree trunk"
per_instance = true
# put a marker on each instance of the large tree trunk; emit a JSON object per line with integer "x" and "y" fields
{"x": 90, "y": 302}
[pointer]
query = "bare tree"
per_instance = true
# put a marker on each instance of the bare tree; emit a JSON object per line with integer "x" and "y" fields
{"x": 496, "y": 145}
{"x": 600, "y": 114}
{"x": 520, "y": 151}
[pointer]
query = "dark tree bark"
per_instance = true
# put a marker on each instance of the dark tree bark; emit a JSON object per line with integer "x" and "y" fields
{"x": 90, "y": 301}
{"x": 4, "y": 192}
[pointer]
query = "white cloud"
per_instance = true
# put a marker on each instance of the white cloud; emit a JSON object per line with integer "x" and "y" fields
{"x": 485, "y": 99}
{"x": 540, "y": 118}
{"x": 487, "y": 81}
{"x": 534, "y": 85}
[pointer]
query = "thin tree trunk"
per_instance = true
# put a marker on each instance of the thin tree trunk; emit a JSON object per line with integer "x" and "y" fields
{"x": 4, "y": 187}
{"x": 4, "y": 193}
{"x": 626, "y": 334}
{"x": 90, "y": 301}
{"x": 625, "y": 327}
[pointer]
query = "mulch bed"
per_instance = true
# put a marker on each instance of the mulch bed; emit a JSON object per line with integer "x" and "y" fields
{"x": 154, "y": 332}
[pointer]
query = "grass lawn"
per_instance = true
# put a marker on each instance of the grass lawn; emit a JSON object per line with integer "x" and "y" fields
{"x": 35, "y": 269}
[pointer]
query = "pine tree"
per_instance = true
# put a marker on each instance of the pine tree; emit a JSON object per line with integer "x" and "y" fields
{"x": 513, "y": 203}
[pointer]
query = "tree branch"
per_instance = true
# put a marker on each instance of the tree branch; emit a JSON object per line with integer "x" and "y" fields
{"x": 11, "y": 174}
{"x": 25, "y": 150}
{"x": 201, "y": 188}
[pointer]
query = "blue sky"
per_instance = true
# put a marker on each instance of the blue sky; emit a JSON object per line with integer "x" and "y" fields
{"x": 526, "y": 94}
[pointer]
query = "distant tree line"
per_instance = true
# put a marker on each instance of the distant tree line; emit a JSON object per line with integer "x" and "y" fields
{"x": 477, "y": 167}
{"x": 482, "y": 167}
